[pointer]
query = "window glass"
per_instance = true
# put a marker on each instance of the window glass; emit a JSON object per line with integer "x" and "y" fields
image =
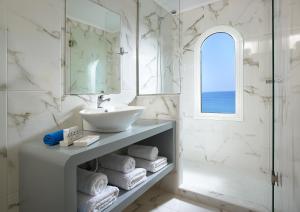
{"x": 218, "y": 74}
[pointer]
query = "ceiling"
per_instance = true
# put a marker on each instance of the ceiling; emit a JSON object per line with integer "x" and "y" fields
{"x": 185, "y": 4}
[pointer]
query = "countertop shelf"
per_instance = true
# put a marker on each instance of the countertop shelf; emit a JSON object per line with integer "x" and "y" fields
{"x": 108, "y": 142}
{"x": 51, "y": 171}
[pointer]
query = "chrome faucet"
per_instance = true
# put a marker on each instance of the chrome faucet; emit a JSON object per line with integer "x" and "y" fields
{"x": 101, "y": 100}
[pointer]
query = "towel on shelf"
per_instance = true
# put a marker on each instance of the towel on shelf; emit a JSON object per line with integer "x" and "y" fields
{"x": 54, "y": 138}
{"x": 91, "y": 183}
{"x": 122, "y": 163}
{"x": 151, "y": 166}
{"x": 144, "y": 152}
{"x": 87, "y": 203}
{"x": 126, "y": 181}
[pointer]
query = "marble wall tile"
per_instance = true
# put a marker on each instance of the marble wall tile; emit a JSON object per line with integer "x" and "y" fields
{"x": 36, "y": 104}
{"x": 30, "y": 115}
{"x": 242, "y": 146}
{"x": 34, "y": 46}
{"x": 236, "y": 144}
{"x": 159, "y": 107}
{"x": 250, "y": 18}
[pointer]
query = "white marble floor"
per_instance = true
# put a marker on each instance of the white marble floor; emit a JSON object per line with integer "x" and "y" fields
{"x": 156, "y": 200}
{"x": 249, "y": 190}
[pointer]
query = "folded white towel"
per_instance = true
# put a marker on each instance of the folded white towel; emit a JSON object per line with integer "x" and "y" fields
{"x": 144, "y": 152}
{"x": 122, "y": 163}
{"x": 87, "y": 203}
{"x": 126, "y": 181}
{"x": 151, "y": 166}
{"x": 91, "y": 183}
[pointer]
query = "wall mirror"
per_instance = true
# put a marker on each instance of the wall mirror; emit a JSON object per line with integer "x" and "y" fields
{"x": 159, "y": 47}
{"x": 92, "y": 48}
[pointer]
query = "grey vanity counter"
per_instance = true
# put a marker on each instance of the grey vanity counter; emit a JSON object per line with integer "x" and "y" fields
{"x": 53, "y": 169}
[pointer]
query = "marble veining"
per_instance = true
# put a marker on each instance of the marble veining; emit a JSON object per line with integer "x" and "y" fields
{"x": 217, "y": 12}
{"x": 241, "y": 146}
{"x": 35, "y": 100}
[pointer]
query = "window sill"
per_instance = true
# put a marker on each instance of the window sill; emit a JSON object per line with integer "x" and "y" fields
{"x": 218, "y": 117}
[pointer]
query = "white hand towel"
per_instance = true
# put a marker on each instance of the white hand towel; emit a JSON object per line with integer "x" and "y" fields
{"x": 126, "y": 181}
{"x": 87, "y": 203}
{"x": 122, "y": 163}
{"x": 91, "y": 183}
{"x": 144, "y": 152}
{"x": 151, "y": 166}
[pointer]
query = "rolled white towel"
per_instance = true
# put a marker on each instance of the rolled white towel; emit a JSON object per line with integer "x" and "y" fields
{"x": 126, "y": 181}
{"x": 87, "y": 203}
{"x": 144, "y": 152}
{"x": 91, "y": 183}
{"x": 122, "y": 163}
{"x": 151, "y": 166}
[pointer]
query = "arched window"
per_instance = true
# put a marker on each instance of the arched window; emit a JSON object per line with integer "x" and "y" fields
{"x": 219, "y": 74}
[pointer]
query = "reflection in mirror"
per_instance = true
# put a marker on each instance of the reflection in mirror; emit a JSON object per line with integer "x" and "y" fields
{"x": 92, "y": 46}
{"x": 159, "y": 47}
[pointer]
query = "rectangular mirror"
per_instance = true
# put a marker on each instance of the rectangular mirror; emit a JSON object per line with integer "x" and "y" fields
{"x": 159, "y": 47}
{"x": 92, "y": 49}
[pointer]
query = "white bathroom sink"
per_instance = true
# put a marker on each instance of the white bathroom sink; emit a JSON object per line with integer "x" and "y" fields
{"x": 114, "y": 119}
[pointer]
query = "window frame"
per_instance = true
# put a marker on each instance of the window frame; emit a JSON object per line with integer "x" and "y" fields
{"x": 239, "y": 48}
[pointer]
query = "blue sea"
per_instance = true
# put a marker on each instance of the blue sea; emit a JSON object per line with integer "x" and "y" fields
{"x": 218, "y": 102}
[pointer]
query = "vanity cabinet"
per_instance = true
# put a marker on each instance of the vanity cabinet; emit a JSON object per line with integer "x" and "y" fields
{"x": 48, "y": 174}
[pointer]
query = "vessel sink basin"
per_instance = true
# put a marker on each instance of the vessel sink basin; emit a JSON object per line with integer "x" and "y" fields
{"x": 115, "y": 119}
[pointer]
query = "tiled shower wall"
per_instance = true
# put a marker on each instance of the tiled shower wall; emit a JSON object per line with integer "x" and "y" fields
{"x": 241, "y": 145}
{"x": 34, "y": 83}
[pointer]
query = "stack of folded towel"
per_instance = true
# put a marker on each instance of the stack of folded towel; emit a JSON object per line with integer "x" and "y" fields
{"x": 93, "y": 192}
{"x": 121, "y": 171}
{"x": 147, "y": 157}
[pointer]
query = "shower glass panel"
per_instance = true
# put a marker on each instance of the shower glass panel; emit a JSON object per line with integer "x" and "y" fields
{"x": 159, "y": 47}
{"x": 286, "y": 105}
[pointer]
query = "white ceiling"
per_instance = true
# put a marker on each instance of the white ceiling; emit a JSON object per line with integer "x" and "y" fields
{"x": 185, "y": 4}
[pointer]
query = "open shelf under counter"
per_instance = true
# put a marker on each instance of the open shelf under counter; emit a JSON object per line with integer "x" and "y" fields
{"x": 48, "y": 178}
{"x": 125, "y": 198}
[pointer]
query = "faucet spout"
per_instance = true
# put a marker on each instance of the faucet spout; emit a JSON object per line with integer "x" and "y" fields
{"x": 100, "y": 100}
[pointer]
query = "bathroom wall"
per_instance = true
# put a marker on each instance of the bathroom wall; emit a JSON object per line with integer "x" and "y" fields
{"x": 34, "y": 85}
{"x": 287, "y": 101}
{"x": 241, "y": 145}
